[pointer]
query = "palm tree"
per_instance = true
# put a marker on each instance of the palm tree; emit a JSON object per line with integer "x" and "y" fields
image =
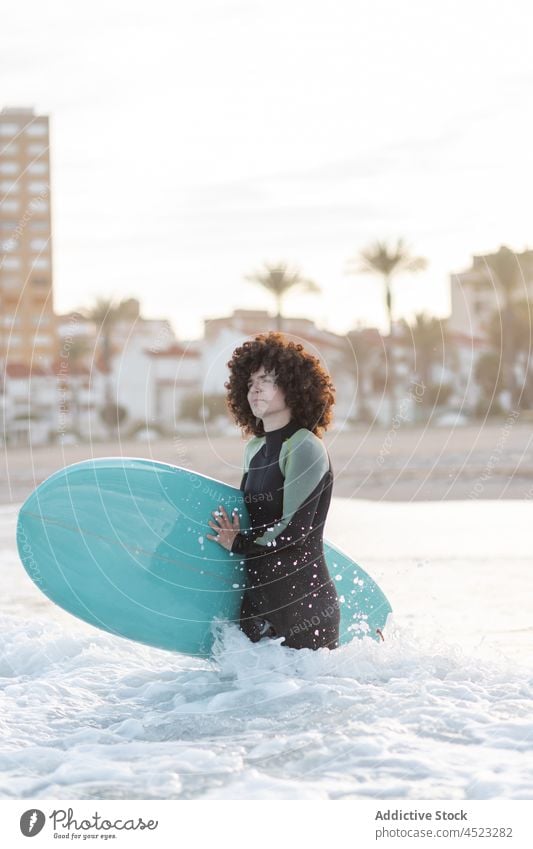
{"x": 364, "y": 359}
{"x": 504, "y": 331}
{"x": 278, "y": 279}
{"x": 524, "y": 321}
{"x": 77, "y": 351}
{"x": 488, "y": 376}
{"x": 104, "y": 314}
{"x": 380, "y": 259}
{"x": 522, "y": 324}
{"x": 524, "y": 342}
{"x": 429, "y": 336}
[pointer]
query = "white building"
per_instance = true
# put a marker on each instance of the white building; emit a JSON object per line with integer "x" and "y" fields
{"x": 152, "y": 383}
{"x": 223, "y": 335}
{"x": 149, "y": 372}
{"x": 30, "y": 405}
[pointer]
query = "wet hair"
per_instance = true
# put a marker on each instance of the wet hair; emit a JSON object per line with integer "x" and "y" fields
{"x": 306, "y": 385}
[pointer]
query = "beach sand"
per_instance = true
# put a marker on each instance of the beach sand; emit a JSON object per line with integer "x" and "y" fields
{"x": 400, "y": 464}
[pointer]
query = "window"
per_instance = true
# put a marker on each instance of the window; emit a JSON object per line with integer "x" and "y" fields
{"x": 38, "y": 226}
{"x": 37, "y": 186}
{"x": 42, "y": 340}
{"x": 10, "y": 205}
{"x": 41, "y": 262}
{"x": 10, "y": 284}
{"x": 11, "y": 262}
{"x": 9, "y": 129}
{"x": 39, "y": 281}
{"x": 38, "y": 168}
{"x": 8, "y": 246}
{"x": 35, "y": 148}
{"x": 8, "y": 187}
{"x": 38, "y": 244}
{"x": 36, "y": 129}
{"x": 40, "y": 320}
{"x": 15, "y": 341}
{"x": 39, "y": 205}
{"x": 7, "y": 167}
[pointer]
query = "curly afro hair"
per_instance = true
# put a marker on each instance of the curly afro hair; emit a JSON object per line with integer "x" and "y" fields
{"x": 308, "y": 390}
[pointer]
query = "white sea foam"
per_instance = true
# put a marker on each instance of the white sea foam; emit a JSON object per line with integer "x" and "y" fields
{"x": 429, "y": 713}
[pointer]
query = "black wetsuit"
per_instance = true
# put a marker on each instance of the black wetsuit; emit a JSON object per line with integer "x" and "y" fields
{"x": 287, "y": 486}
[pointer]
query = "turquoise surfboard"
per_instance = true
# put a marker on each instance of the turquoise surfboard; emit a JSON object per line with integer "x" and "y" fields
{"x": 121, "y": 543}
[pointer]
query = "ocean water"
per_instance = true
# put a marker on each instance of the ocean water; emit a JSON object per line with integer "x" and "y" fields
{"x": 441, "y": 710}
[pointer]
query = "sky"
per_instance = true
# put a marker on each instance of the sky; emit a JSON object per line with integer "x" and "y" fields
{"x": 192, "y": 142}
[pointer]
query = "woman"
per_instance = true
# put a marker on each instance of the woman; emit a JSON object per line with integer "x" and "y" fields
{"x": 281, "y": 394}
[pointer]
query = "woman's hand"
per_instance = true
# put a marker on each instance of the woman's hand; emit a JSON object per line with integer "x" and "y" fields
{"x": 227, "y": 531}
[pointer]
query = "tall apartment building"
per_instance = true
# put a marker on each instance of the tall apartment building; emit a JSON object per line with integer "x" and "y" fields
{"x": 27, "y": 324}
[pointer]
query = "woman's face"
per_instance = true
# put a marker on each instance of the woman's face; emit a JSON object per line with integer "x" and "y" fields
{"x": 264, "y": 395}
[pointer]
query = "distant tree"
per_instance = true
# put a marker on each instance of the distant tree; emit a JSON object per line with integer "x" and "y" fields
{"x": 488, "y": 374}
{"x": 387, "y": 262}
{"x": 279, "y": 279}
{"x": 437, "y": 394}
{"x": 77, "y": 352}
{"x": 524, "y": 325}
{"x": 367, "y": 364}
{"x": 199, "y": 406}
{"x": 522, "y": 345}
{"x": 104, "y": 313}
{"x": 430, "y": 347}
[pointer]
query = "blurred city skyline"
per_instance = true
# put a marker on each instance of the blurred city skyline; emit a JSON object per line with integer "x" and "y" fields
{"x": 189, "y": 145}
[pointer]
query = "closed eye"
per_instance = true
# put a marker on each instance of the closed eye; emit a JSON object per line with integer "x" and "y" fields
{"x": 264, "y": 378}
